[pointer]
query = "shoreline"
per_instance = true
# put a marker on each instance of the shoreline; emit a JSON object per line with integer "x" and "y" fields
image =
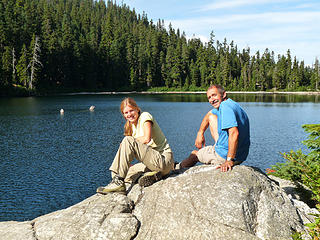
{"x": 199, "y": 92}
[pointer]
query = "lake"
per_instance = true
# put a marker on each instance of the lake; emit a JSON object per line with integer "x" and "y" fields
{"x": 50, "y": 161}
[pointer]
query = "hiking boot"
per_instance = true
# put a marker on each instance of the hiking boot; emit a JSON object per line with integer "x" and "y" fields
{"x": 116, "y": 185}
{"x": 149, "y": 178}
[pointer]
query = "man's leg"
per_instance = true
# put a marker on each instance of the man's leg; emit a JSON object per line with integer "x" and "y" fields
{"x": 193, "y": 159}
{"x": 190, "y": 161}
{"x": 206, "y": 155}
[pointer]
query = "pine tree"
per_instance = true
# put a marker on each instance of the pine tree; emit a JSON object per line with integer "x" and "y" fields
{"x": 245, "y": 69}
{"x": 195, "y": 75}
{"x": 155, "y": 59}
{"x": 258, "y": 73}
{"x": 3, "y": 26}
{"x": 290, "y": 84}
{"x": 294, "y": 77}
{"x": 305, "y": 81}
{"x": 163, "y": 68}
{"x": 7, "y": 66}
{"x": 316, "y": 75}
{"x": 22, "y": 67}
{"x": 268, "y": 63}
{"x": 226, "y": 71}
{"x": 279, "y": 76}
{"x": 170, "y": 66}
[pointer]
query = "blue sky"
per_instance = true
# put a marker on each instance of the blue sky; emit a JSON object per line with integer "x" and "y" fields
{"x": 278, "y": 25}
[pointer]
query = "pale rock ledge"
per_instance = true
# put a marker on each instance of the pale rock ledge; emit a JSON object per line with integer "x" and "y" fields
{"x": 199, "y": 203}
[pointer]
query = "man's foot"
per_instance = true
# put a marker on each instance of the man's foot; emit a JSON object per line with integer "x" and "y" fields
{"x": 149, "y": 178}
{"x": 116, "y": 185}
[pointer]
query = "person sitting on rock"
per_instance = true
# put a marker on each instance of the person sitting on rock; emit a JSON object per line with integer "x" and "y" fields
{"x": 229, "y": 127}
{"x": 144, "y": 141}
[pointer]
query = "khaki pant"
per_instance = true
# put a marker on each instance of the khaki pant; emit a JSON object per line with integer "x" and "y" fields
{"x": 151, "y": 160}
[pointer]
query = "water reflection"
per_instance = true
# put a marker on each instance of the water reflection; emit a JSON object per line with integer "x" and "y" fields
{"x": 280, "y": 98}
{"x": 239, "y": 97}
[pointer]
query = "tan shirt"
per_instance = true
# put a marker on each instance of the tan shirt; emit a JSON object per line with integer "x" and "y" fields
{"x": 158, "y": 141}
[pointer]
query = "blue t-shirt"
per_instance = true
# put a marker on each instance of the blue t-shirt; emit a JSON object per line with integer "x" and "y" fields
{"x": 230, "y": 114}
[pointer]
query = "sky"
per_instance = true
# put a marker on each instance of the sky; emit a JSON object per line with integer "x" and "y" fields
{"x": 278, "y": 25}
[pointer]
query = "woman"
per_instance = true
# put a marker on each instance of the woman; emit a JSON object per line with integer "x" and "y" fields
{"x": 144, "y": 141}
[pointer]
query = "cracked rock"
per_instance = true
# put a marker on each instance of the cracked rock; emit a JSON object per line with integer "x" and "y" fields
{"x": 204, "y": 203}
{"x": 199, "y": 203}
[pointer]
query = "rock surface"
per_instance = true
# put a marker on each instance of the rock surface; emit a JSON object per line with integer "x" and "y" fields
{"x": 98, "y": 217}
{"x": 199, "y": 203}
{"x": 204, "y": 203}
{"x": 293, "y": 190}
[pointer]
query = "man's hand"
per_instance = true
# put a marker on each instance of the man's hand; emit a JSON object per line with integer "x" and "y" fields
{"x": 226, "y": 166}
{"x": 200, "y": 140}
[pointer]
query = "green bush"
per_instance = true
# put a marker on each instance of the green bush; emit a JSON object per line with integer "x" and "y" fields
{"x": 304, "y": 168}
{"x": 291, "y": 169}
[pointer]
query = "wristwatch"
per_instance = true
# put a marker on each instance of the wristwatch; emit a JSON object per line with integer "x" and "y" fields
{"x": 230, "y": 159}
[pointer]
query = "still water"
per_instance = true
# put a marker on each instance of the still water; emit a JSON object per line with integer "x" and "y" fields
{"x": 50, "y": 161}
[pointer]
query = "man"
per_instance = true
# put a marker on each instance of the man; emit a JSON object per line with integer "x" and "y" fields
{"x": 229, "y": 127}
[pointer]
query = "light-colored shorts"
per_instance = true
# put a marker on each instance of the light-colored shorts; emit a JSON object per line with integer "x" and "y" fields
{"x": 208, "y": 155}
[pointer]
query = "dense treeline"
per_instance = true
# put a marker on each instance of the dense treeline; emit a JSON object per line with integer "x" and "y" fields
{"x": 54, "y": 45}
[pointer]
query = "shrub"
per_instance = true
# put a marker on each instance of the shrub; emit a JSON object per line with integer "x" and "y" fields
{"x": 304, "y": 168}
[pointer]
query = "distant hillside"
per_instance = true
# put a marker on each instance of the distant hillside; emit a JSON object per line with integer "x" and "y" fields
{"x": 71, "y": 45}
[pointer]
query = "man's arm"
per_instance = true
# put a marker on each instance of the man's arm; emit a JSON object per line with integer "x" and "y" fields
{"x": 232, "y": 149}
{"x": 200, "y": 140}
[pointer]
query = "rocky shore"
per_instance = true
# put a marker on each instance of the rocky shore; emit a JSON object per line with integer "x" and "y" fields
{"x": 198, "y": 203}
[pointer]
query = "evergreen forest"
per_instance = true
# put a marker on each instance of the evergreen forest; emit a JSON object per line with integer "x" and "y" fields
{"x": 73, "y": 45}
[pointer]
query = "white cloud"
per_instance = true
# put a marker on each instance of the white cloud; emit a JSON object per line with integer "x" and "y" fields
{"x": 252, "y": 19}
{"x": 278, "y": 25}
{"x": 308, "y": 5}
{"x": 278, "y": 32}
{"x": 236, "y": 3}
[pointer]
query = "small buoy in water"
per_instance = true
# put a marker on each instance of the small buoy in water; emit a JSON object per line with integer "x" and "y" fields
{"x": 61, "y": 111}
{"x": 92, "y": 108}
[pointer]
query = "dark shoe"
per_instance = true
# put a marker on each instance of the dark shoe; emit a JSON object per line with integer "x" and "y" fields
{"x": 116, "y": 185}
{"x": 149, "y": 178}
